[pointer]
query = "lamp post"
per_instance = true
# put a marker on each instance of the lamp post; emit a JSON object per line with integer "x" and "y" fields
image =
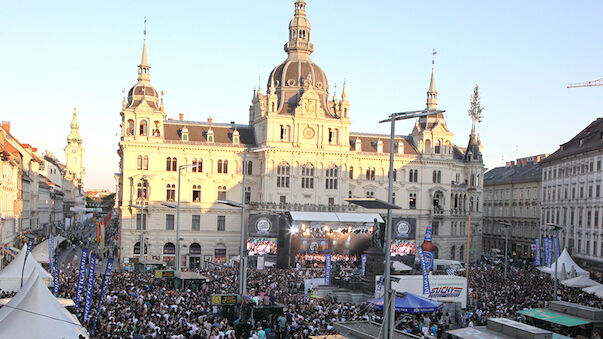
{"x": 506, "y": 225}
{"x": 241, "y": 205}
{"x": 143, "y": 218}
{"x": 178, "y": 259}
{"x": 556, "y": 229}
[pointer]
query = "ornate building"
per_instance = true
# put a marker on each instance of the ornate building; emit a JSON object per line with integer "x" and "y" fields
{"x": 301, "y": 155}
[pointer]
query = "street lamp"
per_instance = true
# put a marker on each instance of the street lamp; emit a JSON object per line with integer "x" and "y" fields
{"x": 178, "y": 259}
{"x": 506, "y": 225}
{"x": 555, "y": 228}
{"x": 143, "y": 196}
{"x": 241, "y": 205}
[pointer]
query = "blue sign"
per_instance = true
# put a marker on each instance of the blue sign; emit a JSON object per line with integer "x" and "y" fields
{"x": 106, "y": 278}
{"x": 428, "y": 258}
{"x": 50, "y": 251}
{"x": 426, "y": 289}
{"x": 81, "y": 277}
{"x": 556, "y": 245}
{"x": 327, "y": 269}
{"x": 57, "y": 281}
{"x": 537, "y": 254}
{"x": 363, "y": 261}
{"x": 547, "y": 252}
{"x": 89, "y": 288}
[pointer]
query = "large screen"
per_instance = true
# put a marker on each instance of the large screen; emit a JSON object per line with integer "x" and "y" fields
{"x": 402, "y": 248}
{"x": 262, "y": 246}
{"x": 313, "y": 246}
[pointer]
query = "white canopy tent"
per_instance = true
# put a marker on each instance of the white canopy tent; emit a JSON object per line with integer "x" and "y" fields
{"x": 596, "y": 290}
{"x": 40, "y": 252}
{"x": 580, "y": 281}
{"x": 565, "y": 259}
{"x": 35, "y": 313}
{"x": 10, "y": 276}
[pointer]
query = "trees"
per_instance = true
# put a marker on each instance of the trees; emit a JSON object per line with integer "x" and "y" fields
{"x": 475, "y": 107}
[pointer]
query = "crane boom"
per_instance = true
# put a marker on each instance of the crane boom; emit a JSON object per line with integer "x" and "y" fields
{"x": 592, "y": 83}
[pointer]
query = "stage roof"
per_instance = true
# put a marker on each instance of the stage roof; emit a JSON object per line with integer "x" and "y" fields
{"x": 335, "y": 217}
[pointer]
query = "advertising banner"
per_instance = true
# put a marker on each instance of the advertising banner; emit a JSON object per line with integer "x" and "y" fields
{"x": 262, "y": 246}
{"x": 263, "y": 225}
{"x": 404, "y": 250}
{"x": 50, "y": 251}
{"x": 404, "y": 228}
{"x": 260, "y": 264}
{"x": 57, "y": 280}
{"x": 81, "y": 277}
{"x": 363, "y": 261}
{"x": 105, "y": 282}
{"x": 328, "y": 269}
{"x": 426, "y": 288}
{"x": 314, "y": 246}
{"x": 556, "y": 247}
{"x": 443, "y": 288}
{"x": 547, "y": 252}
{"x": 537, "y": 254}
{"x": 89, "y": 288}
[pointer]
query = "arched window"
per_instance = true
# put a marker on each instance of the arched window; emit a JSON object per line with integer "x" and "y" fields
{"x": 139, "y": 162}
{"x": 462, "y": 252}
{"x": 370, "y": 173}
{"x": 156, "y": 132}
{"x": 437, "y": 147}
{"x": 427, "y": 146}
{"x": 219, "y": 166}
{"x": 438, "y": 200}
{"x": 130, "y": 129}
{"x": 169, "y": 254}
{"x": 439, "y": 177}
{"x": 145, "y": 163}
{"x": 194, "y": 167}
{"x": 410, "y": 175}
{"x": 307, "y": 176}
{"x": 143, "y": 187}
{"x": 221, "y": 192}
{"x": 351, "y": 171}
{"x": 282, "y": 175}
{"x": 435, "y": 177}
{"x": 196, "y": 193}
{"x": 137, "y": 248}
{"x": 223, "y": 166}
{"x": 194, "y": 249}
{"x": 170, "y": 193}
{"x": 174, "y": 164}
{"x": 247, "y": 195}
{"x": 249, "y": 168}
{"x": 331, "y": 180}
{"x": 168, "y": 164}
{"x": 452, "y": 252}
{"x": 143, "y": 128}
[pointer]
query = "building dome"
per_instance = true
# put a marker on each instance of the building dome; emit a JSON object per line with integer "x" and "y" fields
{"x": 143, "y": 90}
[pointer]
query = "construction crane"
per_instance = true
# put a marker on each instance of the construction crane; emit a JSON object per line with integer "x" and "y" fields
{"x": 593, "y": 83}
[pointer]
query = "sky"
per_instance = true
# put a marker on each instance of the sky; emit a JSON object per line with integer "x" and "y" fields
{"x": 208, "y": 56}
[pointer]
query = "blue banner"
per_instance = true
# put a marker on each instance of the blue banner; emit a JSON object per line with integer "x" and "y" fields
{"x": 363, "y": 260}
{"x": 89, "y": 288}
{"x": 106, "y": 278}
{"x": 29, "y": 246}
{"x": 426, "y": 289}
{"x": 55, "y": 288}
{"x": 547, "y": 252}
{"x": 537, "y": 254}
{"x": 327, "y": 269}
{"x": 50, "y": 251}
{"x": 556, "y": 245}
{"x": 81, "y": 277}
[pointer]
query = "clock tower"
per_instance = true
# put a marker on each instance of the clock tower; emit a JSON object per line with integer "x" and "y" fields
{"x": 74, "y": 152}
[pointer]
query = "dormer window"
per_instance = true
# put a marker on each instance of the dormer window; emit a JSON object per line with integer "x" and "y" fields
{"x": 380, "y": 146}
{"x": 358, "y": 145}
{"x": 400, "y": 147}
{"x": 210, "y": 135}
{"x": 235, "y": 137}
{"x": 184, "y": 134}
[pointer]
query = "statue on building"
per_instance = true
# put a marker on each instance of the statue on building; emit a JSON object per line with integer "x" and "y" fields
{"x": 376, "y": 239}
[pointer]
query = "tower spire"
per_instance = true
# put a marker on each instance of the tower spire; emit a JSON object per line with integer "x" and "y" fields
{"x": 299, "y": 33}
{"x": 432, "y": 94}
{"x": 144, "y": 70}
{"x": 74, "y": 136}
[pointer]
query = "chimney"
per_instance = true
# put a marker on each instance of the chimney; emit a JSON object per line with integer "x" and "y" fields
{"x": 210, "y": 120}
{"x": 181, "y": 116}
{"x": 6, "y": 126}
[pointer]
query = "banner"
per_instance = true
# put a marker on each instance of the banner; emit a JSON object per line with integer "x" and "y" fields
{"x": 104, "y": 284}
{"x": 81, "y": 277}
{"x": 426, "y": 289}
{"x": 404, "y": 228}
{"x": 363, "y": 261}
{"x": 57, "y": 280}
{"x": 537, "y": 254}
{"x": 547, "y": 252}
{"x": 29, "y": 246}
{"x": 89, "y": 288}
{"x": 556, "y": 244}
{"x": 260, "y": 263}
{"x": 50, "y": 251}
{"x": 263, "y": 225}
{"x": 328, "y": 269}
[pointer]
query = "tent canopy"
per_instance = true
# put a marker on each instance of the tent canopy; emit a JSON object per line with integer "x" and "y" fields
{"x": 554, "y": 317}
{"x": 596, "y": 290}
{"x": 565, "y": 259}
{"x": 409, "y": 303}
{"x": 580, "y": 281}
{"x": 40, "y": 252}
{"x": 10, "y": 276}
{"x": 35, "y": 313}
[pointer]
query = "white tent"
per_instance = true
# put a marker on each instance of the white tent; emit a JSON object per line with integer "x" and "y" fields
{"x": 35, "y": 313}
{"x": 596, "y": 290}
{"x": 580, "y": 281}
{"x": 570, "y": 264}
{"x": 40, "y": 252}
{"x": 10, "y": 276}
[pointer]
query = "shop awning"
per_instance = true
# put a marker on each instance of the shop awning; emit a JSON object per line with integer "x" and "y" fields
{"x": 335, "y": 217}
{"x": 554, "y": 317}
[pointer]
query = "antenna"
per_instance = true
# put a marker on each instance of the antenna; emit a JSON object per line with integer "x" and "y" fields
{"x": 259, "y": 81}
{"x": 433, "y": 54}
{"x": 145, "y": 27}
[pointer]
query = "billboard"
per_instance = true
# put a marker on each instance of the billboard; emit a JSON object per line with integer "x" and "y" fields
{"x": 262, "y": 246}
{"x": 443, "y": 288}
{"x": 404, "y": 250}
{"x": 314, "y": 246}
{"x": 263, "y": 225}
{"x": 404, "y": 228}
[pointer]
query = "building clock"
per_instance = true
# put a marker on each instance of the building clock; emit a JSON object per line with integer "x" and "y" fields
{"x": 308, "y": 133}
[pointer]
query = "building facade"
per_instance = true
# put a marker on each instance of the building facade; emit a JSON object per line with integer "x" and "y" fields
{"x": 300, "y": 155}
{"x": 512, "y": 195}
{"x": 571, "y": 193}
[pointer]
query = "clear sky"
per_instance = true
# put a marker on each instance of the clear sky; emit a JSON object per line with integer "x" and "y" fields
{"x": 207, "y": 57}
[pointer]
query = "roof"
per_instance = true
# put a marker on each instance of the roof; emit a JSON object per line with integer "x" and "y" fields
{"x": 589, "y": 139}
{"x": 554, "y": 317}
{"x": 513, "y": 174}
{"x": 197, "y": 131}
{"x": 369, "y": 143}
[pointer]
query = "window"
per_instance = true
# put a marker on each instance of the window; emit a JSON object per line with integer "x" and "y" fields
{"x": 437, "y": 147}
{"x": 248, "y": 195}
{"x": 435, "y": 227}
{"x": 413, "y": 175}
{"x": 282, "y": 175}
{"x": 440, "y": 177}
{"x": 581, "y": 192}
{"x": 412, "y": 201}
{"x": 145, "y": 163}
{"x": 370, "y": 194}
{"x": 197, "y": 165}
{"x": 196, "y": 222}
{"x": 598, "y": 165}
{"x": 331, "y": 201}
{"x": 590, "y": 191}
{"x": 139, "y": 162}
{"x": 142, "y": 190}
{"x": 331, "y": 180}
{"x": 598, "y": 190}
{"x": 393, "y": 198}
{"x": 141, "y": 221}
{"x": 351, "y": 173}
{"x": 169, "y": 222}
{"x": 284, "y": 136}
{"x": 143, "y": 128}
{"x": 221, "y": 192}
{"x": 349, "y": 194}
{"x": 435, "y": 177}
{"x": 170, "y": 193}
{"x": 331, "y": 136}
{"x": 452, "y": 252}
{"x": 171, "y": 164}
{"x": 283, "y": 199}
{"x": 223, "y": 166}
{"x": 222, "y": 223}
{"x": 249, "y": 168}
{"x": 308, "y": 176}
{"x": 196, "y": 193}
{"x": 130, "y": 130}
{"x": 370, "y": 173}
{"x": 137, "y": 248}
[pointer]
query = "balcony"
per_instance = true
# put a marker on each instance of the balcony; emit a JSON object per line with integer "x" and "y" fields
{"x": 437, "y": 212}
